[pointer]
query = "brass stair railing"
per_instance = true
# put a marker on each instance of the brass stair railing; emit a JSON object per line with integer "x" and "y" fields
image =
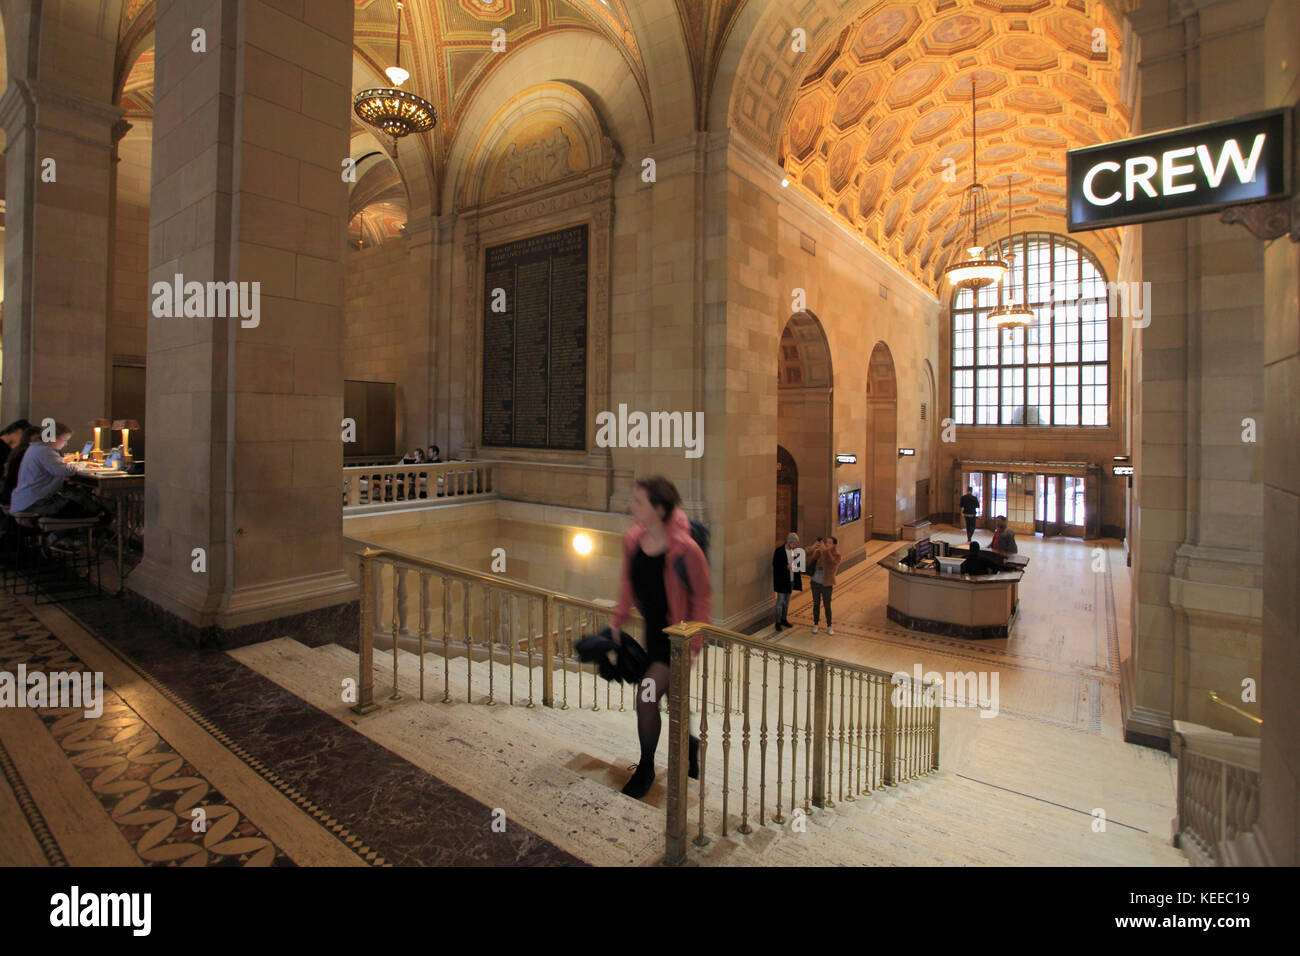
{"x": 862, "y": 729}
{"x": 836, "y": 731}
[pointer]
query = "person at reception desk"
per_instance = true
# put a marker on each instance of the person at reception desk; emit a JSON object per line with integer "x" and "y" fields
{"x": 976, "y": 562}
{"x": 1004, "y": 540}
{"x": 785, "y": 579}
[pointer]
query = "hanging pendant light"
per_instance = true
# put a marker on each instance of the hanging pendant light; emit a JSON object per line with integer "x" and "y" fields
{"x": 397, "y": 112}
{"x": 1011, "y": 316}
{"x": 977, "y": 270}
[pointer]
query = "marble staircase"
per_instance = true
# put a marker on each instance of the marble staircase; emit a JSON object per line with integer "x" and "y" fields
{"x": 558, "y": 773}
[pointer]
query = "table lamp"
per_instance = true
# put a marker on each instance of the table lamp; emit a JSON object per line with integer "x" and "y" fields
{"x": 126, "y": 424}
{"x": 97, "y": 453}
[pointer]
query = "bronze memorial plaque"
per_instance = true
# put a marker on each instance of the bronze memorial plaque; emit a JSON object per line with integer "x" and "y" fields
{"x": 535, "y": 342}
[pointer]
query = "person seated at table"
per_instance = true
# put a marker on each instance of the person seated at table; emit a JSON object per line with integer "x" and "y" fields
{"x": 435, "y": 454}
{"x": 413, "y": 457}
{"x": 10, "y": 437}
{"x": 1004, "y": 540}
{"x": 14, "y": 462}
{"x": 40, "y": 490}
{"x": 974, "y": 563}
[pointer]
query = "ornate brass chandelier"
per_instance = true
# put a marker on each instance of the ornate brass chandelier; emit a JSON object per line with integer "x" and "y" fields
{"x": 397, "y": 112}
{"x": 977, "y": 270}
{"x": 1008, "y": 316}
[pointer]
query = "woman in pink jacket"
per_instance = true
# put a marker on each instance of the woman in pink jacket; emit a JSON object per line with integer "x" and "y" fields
{"x": 666, "y": 575}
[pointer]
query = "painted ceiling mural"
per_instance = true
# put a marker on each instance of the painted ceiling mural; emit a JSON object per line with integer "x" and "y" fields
{"x": 880, "y": 132}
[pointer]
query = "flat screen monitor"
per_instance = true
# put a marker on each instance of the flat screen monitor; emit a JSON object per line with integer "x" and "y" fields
{"x": 86, "y": 450}
{"x": 924, "y": 548}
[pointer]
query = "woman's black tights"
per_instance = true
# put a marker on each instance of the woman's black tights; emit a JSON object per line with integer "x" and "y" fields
{"x": 649, "y": 723}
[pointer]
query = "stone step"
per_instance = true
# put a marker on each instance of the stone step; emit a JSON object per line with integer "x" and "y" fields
{"x": 504, "y": 754}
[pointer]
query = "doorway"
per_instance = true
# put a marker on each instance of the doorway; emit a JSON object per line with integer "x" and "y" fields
{"x": 787, "y": 494}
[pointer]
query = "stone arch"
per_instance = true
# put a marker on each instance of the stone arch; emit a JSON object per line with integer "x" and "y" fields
{"x": 805, "y": 418}
{"x": 591, "y": 67}
{"x": 927, "y": 395}
{"x": 882, "y": 441}
{"x": 556, "y": 122}
{"x": 787, "y": 502}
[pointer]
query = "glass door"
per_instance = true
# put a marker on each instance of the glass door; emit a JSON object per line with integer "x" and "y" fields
{"x": 1020, "y": 502}
{"x": 1075, "y": 506}
{"x": 1047, "y": 518}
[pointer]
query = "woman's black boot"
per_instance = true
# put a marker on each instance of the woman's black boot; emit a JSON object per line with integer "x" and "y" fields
{"x": 639, "y": 785}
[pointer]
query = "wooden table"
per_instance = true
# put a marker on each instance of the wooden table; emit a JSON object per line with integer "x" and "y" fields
{"x": 125, "y": 496}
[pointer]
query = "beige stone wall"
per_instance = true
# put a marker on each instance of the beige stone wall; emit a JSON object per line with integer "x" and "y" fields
{"x": 376, "y": 338}
{"x": 131, "y": 300}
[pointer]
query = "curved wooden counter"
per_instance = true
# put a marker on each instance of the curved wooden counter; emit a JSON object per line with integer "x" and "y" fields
{"x": 973, "y": 606}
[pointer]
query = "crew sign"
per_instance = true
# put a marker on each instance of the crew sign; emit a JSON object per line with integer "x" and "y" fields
{"x": 1180, "y": 172}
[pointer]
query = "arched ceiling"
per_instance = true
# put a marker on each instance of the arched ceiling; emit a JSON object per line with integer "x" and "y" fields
{"x": 448, "y": 44}
{"x": 885, "y": 105}
{"x": 805, "y": 356}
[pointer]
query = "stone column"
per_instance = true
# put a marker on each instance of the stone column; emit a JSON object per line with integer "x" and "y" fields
{"x": 58, "y": 171}
{"x": 1279, "y": 806}
{"x": 245, "y": 412}
{"x": 1199, "y": 436}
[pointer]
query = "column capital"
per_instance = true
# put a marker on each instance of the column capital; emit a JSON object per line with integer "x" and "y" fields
{"x": 60, "y": 111}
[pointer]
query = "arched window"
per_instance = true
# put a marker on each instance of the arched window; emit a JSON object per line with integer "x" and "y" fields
{"x": 1053, "y": 373}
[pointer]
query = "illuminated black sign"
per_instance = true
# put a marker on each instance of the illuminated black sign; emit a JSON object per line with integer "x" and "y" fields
{"x": 1121, "y": 469}
{"x": 846, "y": 459}
{"x": 1180, "y": 172}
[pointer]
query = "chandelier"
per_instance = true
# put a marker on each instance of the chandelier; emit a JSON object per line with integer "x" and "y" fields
{"x": 1010, "y": 316}
{"x": 977, "y": 270}
{"x": 397, "y": 112}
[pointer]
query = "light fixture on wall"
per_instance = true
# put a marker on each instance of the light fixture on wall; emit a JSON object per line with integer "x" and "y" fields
{"x": 977, "y": 270}
{"x": 397, "y": 112}
{"x": 1010, "y": 316}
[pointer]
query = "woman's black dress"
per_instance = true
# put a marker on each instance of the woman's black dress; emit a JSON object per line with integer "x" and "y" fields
{"x": 652, "y": 600}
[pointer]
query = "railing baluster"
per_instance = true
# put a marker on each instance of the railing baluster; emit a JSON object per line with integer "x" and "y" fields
{"x": 469, "y": 651}
{"x": 794, "y": 734}
{"x": 808, "y": 753}
{"x": 425, "y": 609}
{"x": 777, "y": 817}
{"x": 700, "y": 838}
{"x": 397, "y": 589}
{"x": 511, "y": 609}
{"x": 762, "y": 753}
{"x": 530, "y": 603}
{"x": 489, "y": 633}
{"x": 446, "y": 640}
{"x": 726, "y": 734}
{"x": 841, "y": 741}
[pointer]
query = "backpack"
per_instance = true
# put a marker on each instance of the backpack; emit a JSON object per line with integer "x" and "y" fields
{"x": 700, "y": 535}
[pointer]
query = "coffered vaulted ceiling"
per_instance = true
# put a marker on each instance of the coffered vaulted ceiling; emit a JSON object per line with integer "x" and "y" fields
{"x": 884, "y": 112}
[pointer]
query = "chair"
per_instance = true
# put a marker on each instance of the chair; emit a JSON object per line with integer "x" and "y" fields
{"x": 22, "y": 541}
{"x": 56, "y": 563}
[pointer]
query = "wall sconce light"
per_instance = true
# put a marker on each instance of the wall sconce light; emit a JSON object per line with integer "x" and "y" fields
{"x": 582, "y": 544}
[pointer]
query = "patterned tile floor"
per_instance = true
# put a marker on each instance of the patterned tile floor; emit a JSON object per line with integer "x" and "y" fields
{"x": 182, "y": 732}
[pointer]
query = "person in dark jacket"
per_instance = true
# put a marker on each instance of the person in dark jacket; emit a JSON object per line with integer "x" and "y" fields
{"x": 974, "y": 563}
{"x": 785, "y": 578}
{"x": 10, "y": 438}
{"x": 15, "y": 462}
{"x": 970, "y": 506}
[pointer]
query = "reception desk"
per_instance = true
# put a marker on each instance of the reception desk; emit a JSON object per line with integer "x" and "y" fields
{"x": 973, "y": 606}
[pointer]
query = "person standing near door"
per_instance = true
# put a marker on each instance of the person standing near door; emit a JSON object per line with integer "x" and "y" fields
{"x": 970, "y": 506}
{"x": 785, "y": 578}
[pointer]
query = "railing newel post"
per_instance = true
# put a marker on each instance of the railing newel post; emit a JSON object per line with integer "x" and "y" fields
{"x": 679, "y": 675}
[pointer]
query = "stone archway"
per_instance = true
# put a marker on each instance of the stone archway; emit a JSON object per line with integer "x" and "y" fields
{"x": 882, "y": 442}
{"x": 804, "y": 420}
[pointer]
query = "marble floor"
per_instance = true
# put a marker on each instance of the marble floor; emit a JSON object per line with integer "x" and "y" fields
{"x": 274, "y": 780}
